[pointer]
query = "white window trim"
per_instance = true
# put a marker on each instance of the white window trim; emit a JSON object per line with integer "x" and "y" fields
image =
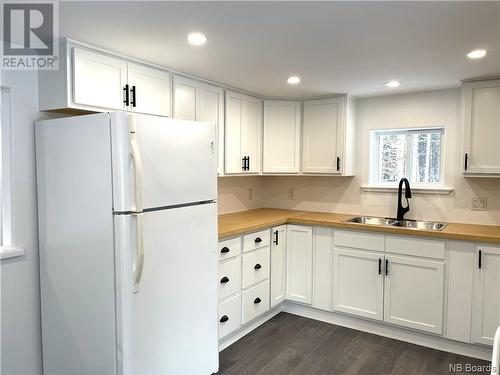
{"x": 418, "y": 188}
{"x": 7, "y": 247}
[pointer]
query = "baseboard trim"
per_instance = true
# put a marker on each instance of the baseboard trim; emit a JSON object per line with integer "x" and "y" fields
{"x": 247, "y": 328}
{"x": 393, "y": 332}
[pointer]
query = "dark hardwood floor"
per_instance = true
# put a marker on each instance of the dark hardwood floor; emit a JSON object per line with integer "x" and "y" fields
{"x": 289, "y": 344}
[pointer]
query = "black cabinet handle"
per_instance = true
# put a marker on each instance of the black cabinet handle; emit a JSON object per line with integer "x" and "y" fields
{"x": 386, "y": 267}
{"x": 276, "y": 237}
{"x": 466, "y": 160}
{"x": 224, "y": 319}
{"x": 248, "y": 163}
{"x": 126, "y": 100}
{"x": 480, "y": 259}
{"x": 244, "y": 163}
{"x": 224, "y": 280}
{"x": 380, "y": 266}
{"x": 133, "y": 91}
{"x": 224, "y": 250}
{"x": 257, "y": 267}
{"x": 258, "y": 240}
{"x": 338, "y": 163}
{"x": 257, "y": 300}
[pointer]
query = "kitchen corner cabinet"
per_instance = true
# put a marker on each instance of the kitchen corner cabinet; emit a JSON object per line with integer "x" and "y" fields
{"x": 278, "y": 264}
{"x": 243, "y": 134}
{"x": 328, "y": 136}
{"x": 197, "y": 101}
{"x": 299, "y": 261}
{"x": 322, "y": 268}
{"x": 281, "y": 152}
{"x": 94, "y": 81}
{"x": 481, "y": 123}
{"x": 486, "y": 311}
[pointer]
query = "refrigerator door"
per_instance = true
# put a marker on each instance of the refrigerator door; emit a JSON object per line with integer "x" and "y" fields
{"x": 170, "y": 325}
{"x": 173, "y": 161}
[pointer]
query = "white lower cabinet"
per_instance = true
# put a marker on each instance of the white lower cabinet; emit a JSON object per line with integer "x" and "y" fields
{"x": 254, "y": 301}
{"x": 278, "y": 265}
{"x": 358, "y": 283}
{"x": 229, "y": 277}
{"x": 322, "y": 268}
{"x": 255, "y": 267}
{"x": 299, "y": 264}
{"x": 229, "y": 315}
{"x": 414, "y": 290}
{"x": 486, "y": 312}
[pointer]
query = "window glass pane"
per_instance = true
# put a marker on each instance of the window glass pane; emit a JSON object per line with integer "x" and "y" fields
{"x": 392, "y": 157}
{"x": 426, "y": 161}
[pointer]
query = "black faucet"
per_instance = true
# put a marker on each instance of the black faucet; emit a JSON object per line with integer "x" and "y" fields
{"x": 402, "y": 210}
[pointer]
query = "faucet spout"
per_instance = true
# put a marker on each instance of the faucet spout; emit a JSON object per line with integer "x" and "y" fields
{"x": 403, "y": 210}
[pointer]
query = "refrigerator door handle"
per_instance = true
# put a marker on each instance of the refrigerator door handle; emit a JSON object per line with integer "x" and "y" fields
{"x": 136, "y": 157}
{"x": 140, "y": 252}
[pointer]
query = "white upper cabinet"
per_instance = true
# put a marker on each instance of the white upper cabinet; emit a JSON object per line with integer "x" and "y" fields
{"x": 149, "y": 90}
{"x": 328, "y": 136}
{"x": 486, "y": 312}
{"x": 281, "y": 136}
{"x": 481, "y": 116}
{"x": 243, "y": 133}
{"x": 299, "y": 260}
{"x": 98, "y": 80}
{"x": 198, "y": 101}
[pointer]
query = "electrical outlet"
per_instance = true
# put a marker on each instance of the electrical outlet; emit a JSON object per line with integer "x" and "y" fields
{"x": 479, "y": 204}
{"x": 291, "y": 194}
{"x": 250, "y": 194}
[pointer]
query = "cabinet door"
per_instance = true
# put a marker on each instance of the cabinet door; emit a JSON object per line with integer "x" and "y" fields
{"x": 278, "y": 264}
{"x": 210, "y": 108}
{"x": 323, "y": 135}
{"x": 414, "y": 293}
{"x": 152, "y": 90}
{"x": 299, "y": 264}
{"x": 98, "y": 80}
{"x": 323, "y": 268}
{"x": 481, "y": 102}
{"x": 251, "y": 133}
{"x": 185, "y": 98}
{"x": 358, "y": 285}
{"x": 234, "y": 123}
{"x": 281, "y": 136}
{"x": 486, "y": 313}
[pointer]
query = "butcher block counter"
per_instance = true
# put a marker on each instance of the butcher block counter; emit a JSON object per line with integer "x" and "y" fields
{"x": 237, "y": 223}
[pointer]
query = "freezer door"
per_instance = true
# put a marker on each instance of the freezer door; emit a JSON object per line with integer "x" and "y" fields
{"x": 173, "y": 161}
{"x": 170, "y": 325}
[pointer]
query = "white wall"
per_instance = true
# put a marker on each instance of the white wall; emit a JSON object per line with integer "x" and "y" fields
{"x": 344, "y": 195}
{"x": 20, "y": 301}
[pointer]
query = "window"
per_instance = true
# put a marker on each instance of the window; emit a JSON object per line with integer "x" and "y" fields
{"x": 411, "y": 153}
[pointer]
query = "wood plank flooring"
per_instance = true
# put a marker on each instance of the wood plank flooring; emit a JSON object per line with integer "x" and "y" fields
{"x": 289, "y": 344}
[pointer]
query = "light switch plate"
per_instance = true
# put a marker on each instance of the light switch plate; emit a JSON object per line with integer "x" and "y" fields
{"x": 479, "y": 204}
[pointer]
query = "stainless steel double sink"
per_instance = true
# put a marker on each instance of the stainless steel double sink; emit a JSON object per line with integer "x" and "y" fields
{"x": 388, "y": 222}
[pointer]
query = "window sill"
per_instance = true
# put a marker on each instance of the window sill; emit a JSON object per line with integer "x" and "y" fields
{"x": 7, "y": 252}
{"x": 429, "y": 190}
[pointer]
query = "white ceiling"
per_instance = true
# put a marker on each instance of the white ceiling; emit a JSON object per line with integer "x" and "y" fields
{"x": 335, "y": 47}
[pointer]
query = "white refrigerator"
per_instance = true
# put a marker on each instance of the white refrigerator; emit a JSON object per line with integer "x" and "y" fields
{"x": 127, "y": 237}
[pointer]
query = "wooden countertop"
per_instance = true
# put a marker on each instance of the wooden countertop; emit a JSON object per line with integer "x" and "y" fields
{"x": 248, "y": 221}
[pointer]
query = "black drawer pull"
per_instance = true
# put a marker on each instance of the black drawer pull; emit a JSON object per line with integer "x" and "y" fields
{"x": 257, "y": 300}
{"x": 257, "y": 267}
{"x": 224, "y": 280}
{"x": 224, "y": 250}
{"x": 258, "y": 240}
{"x": 224, "y": 319}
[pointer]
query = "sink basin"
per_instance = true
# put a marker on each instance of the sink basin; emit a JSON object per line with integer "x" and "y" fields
{"x": 409, "y": 224}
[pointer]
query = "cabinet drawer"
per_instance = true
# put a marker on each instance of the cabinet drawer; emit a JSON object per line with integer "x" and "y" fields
{"x": 255, "y": 267}
{"x": 255, "y": 301}
{"x": 256, "y": 240}
{"x": 415, "y": 246}
{"x": 229, "y": 248}
{"x": 229, "y": 315}
{"x": 229, "y": 277}
{"x": 359, "y": 240}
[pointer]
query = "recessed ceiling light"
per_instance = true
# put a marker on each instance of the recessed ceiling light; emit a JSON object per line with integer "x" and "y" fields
{"x": 476, "y": 54}
{"x": 196, "y": 39}
{"x": 392, "y": 84}
{"x": 293, "y": 80}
